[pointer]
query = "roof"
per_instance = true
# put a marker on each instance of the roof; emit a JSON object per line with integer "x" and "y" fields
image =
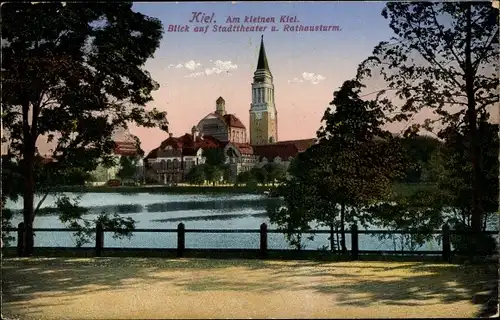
{"x": 186, "y": 144}
{"x": 220, "y": 99}
{"x": 301, "y": 144}
{"x": 153, "y": 153}
{"x": 232, "y": 121}
{"x": 262, "y": 64}
{"x": 244, "y": 148}
{"x": 283, "y": 149}
{"x": 126, "y": 148}
{"x": 121, "y": 134}
{"x": 271, "y": 151}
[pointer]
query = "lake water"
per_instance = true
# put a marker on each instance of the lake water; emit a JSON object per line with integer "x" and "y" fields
{"x": 199, "y": 211}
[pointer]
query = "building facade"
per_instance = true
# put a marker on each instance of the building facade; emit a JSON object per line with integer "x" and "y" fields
{"x": 126, "y": 145}
{"x": 222, "y": 126}
{"x": 170, "y": 162}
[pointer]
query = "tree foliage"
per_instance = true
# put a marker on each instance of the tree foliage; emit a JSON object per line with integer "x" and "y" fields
{"x": 443, "y": 57}
{"x": 453, "y": 171}
{"x": 294, "y": 219}
{"x": 418, "y": 212}
{"x": 213, "y": 173}
{"x": 128, "y": 168}
{"x": 418, "y": 151}
{"x": 260, "y": 174}
{"x": 214, "y": 156}
{"x": 72, "y": 74}
{"x": 426, "y": 62}
{"x": 274, "y": 172}
{"x": 354, "y": 164}
{"x": 196, "y": 175}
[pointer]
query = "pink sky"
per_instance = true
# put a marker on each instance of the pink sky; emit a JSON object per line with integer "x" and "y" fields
{"x": 307, "y": 67}
{"x": 194, "y": 69}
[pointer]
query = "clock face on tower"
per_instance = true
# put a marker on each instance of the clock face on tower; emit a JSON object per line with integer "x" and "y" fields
{"x": 258, "y": 115}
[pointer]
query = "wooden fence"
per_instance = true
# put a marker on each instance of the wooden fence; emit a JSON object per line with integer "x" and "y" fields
{"x": 181, "y": 231}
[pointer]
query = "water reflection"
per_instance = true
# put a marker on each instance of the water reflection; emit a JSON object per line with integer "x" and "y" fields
{"x": 216, "y": 205}
{"x": 156, "y": 211}
{"x": 211, "y": 217}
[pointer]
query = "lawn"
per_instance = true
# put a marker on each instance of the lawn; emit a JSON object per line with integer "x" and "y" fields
{"x": 140, "y": 288}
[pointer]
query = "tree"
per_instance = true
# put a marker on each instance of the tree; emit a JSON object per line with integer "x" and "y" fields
{"x": 293, "y": 219}
{"x": 128, "y": 168}
{"x": 275, "y": 172}
{"x": 243, "y": 177}
{"x": 213, "y": 174}
{"x": 360, "y": 159}
{"x": 307, "y": 170}
{"x": 259, "y": 174}
{"x": 418, "y": 150}
{"x": 196, "y": 175}
{"x": 11, "y": 189}
{"x": 353, "y": 166}
{"x": 214, "y": 156}
{"x": 73, "y": 73}
{"x": 452, "y": 169}
{"x": 444, "y": 56}
{"x": 420, "y": 212}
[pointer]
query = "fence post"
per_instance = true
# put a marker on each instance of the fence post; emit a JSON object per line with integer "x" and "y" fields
{"x": 99, "y": 239}
{"x": 263, "y": 240}
{"x": 354, "y": 242}
{"x": 20, "y": 236}
{"x": 446, "y": 243}
{"x": 181, "y": 239}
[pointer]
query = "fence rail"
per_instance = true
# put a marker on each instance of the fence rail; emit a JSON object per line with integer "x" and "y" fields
{"x": 181, "y": 231}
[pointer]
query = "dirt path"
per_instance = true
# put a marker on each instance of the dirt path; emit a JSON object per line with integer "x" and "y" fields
{"x": 126, "y": 288}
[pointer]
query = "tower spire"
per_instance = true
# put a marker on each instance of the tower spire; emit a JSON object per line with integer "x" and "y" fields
{"x": 262, "y": 63}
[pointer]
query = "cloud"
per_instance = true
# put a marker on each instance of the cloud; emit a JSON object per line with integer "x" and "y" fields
{"x": 190, "y": 65}
{"x": 295, "y": 80}
{"x": 218, "y": 68}
{"x": 309, "y": 77}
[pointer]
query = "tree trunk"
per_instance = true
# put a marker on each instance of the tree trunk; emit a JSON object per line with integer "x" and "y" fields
{"x": 477, "y": 208}
{"x": 342, "y": 229}
{"x": 28, "y": 199}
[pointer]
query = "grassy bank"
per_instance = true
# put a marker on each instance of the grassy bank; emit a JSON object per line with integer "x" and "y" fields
{"x": 400, "y": 188}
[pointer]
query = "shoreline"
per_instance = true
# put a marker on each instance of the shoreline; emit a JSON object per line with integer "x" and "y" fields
{"x": 167, "y": 189}
{"x": 401, "y": 188}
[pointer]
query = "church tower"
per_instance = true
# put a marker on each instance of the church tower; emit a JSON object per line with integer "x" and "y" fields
{"x": 220, "y": 107}
{"x": 263, "y": 114}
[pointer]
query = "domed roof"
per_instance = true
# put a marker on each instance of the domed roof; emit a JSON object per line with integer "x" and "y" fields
{"x": 232, "y": 121}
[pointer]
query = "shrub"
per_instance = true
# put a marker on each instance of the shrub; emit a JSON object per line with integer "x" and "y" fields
{"x": 481, "y": 244}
